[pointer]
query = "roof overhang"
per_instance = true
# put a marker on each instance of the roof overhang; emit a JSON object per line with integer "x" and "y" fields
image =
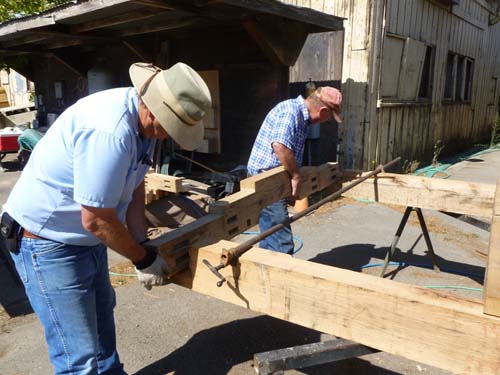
{"x": 270, "y": 22}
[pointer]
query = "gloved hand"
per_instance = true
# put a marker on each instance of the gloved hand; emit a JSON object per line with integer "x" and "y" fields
{"x": 155, "y": 274}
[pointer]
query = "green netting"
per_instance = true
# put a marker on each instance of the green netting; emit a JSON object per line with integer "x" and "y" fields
{"x": 29, "y": 139}
{"x": 440, "y": 169}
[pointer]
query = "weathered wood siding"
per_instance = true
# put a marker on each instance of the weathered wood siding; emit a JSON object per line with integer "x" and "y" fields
{"x": 411, "y": 132}
{"x": 355, "y": 70}
{"x": 375, "y": 133}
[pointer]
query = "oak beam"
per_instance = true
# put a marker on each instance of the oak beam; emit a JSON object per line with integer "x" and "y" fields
{"x": 233, "y": 215}
{"x": 417, "y": 323}
{"x": 460, "y": 197}
{"x": 492, "y": 279}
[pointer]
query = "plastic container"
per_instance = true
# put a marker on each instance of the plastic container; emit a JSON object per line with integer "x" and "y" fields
{"x": 8, "y": 142}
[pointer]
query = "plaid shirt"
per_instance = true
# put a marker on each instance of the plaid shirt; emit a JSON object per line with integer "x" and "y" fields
{"x": 287, "y": 124}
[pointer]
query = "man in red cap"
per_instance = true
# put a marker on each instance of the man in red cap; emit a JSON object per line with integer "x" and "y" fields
{"x": 281, "y": 141}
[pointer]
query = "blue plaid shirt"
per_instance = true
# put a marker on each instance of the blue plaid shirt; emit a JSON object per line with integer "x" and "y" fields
{"x": 287, "y": 124}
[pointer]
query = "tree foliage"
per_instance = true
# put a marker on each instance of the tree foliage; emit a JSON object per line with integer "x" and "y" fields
{"x": 10, "y": 9}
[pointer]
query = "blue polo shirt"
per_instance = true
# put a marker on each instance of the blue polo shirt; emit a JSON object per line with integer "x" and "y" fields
{"x": 92, "y": 155}
{"x": 287, "y": 124}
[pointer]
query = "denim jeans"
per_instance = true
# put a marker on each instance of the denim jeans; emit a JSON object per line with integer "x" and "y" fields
{"x": 282, "y": 240}
{"x": 70, "y": 291}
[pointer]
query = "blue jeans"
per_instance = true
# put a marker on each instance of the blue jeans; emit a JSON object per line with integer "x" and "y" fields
{"x": 69, "y": 289}
{"x": 282, "y": 240}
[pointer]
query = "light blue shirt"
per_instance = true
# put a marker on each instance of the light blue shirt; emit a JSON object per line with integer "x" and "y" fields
{"x": 92, "y": 155}
{"x": 286, "y": 123}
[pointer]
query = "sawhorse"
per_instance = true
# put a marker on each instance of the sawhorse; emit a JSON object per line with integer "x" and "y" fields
{"x": 397, "y": 236}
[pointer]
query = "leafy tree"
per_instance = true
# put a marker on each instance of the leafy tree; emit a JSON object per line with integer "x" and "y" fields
{"x": 18, "y": 8}
{"x": 10, "y": 9}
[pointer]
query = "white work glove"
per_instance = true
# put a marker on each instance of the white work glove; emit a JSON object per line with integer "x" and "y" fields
{"x": 155, "y": 274}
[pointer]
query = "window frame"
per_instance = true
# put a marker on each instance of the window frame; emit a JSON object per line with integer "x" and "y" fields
{"x": 459, "y": 77}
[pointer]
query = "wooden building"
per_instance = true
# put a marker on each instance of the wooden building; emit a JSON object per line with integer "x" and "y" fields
{"x": 415, "y": 72}
{"x": 242, "y": 48}
{"x": 412, "y": 71}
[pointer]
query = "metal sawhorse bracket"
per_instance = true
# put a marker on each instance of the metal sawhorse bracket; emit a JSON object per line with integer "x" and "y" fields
{"x": 277, "y": 361}
{"x": 397, "y": 236}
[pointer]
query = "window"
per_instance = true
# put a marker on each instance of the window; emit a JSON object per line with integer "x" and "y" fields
{"x": 468, "y": 79}
{"x": 425, "y": 90}
{"x": 458, "y": 80}
{"x": 459, "y": 85}
{"x": 407, "y": 70}
{"x": 448, "y": 87}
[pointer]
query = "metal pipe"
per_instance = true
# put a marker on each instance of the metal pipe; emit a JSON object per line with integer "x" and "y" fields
{"x": 230, "y": 255}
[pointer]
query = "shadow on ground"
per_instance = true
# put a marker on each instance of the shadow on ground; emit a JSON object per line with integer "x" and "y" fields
{"x": 216, "y": 350}
{"x": 358, "y": 256}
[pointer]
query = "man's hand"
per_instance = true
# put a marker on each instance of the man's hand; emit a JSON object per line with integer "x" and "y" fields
{"x": 295, "y": 181}
{"x": 155, "y": 274}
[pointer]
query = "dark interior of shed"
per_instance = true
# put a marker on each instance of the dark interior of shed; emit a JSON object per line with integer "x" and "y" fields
{"x": 251, "y": 51}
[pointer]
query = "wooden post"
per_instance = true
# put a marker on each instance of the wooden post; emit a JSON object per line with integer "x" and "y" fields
{"x": 492, "y": 279}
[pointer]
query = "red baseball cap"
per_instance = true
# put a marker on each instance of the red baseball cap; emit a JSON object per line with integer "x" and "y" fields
{"x": 332, "y": 98}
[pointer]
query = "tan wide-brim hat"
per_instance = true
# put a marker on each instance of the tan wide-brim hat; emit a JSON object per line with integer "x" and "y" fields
{"x": 178, "y": 98}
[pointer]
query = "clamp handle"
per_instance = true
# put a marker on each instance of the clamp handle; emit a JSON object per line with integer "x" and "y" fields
{"x": 215, "y": 271}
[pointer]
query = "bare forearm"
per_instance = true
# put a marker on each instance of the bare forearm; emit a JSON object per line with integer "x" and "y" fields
{"x": 136, "y": 219}
{"x": 104, "y": 224}
{"x": 287, "y": 159}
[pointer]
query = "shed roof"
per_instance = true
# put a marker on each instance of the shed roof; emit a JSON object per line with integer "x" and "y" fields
{"x": 96, "y": 21}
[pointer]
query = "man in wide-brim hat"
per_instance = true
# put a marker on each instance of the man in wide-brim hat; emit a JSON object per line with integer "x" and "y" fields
{"x": 83, "y": 191}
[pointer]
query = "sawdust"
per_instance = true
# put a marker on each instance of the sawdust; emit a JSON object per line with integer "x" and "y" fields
{"x": 339, "y": 202}
{"x": 122, "y": 274}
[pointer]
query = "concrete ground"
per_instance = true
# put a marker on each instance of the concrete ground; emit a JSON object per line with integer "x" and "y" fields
{"x": 171, "y": 330}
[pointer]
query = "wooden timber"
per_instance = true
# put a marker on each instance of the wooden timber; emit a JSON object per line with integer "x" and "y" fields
{"x": 432, "y": 327}
{"x": 420, "y": 324}
{"x": 233, "y": 215}
{"x": 492, "y": 281}
{"x": 429, "y": 193}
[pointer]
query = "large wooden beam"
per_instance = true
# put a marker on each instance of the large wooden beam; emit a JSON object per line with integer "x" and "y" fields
{"x": 492, "y": 280}
{"x": 420, "y": 324}
{"x": 233, "y": 215}
{"x": 430, "y": 193}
